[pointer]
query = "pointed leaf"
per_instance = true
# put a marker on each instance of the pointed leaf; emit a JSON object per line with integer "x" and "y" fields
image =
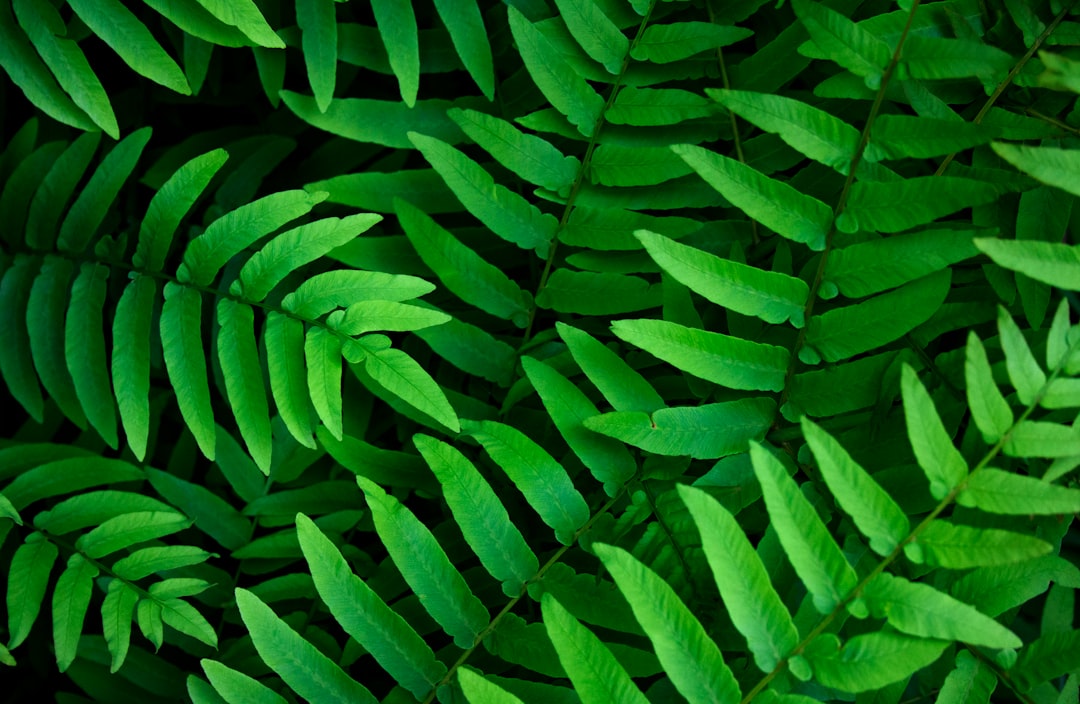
{"x": 1052, "y": 166}
{"x": 185, "y": 361}
{"x": 117, "y": 613}
{"x": 16, "y": 357}
{"x": 874, "y": 660}
{"x": 1032, "y": 438}
{"x": 71, "y": 597}
{"x": 92, "y": 508}
{"x": 28, "y": 578}
{"x": 902, "y": 136}
{"x": 841, "y": 40}
{"x": 621, "y": 385}
{"x": 213, "y": 515}
{"x": 589, "y": 293}
{"x": 283, "y": 338}
{"x": 397, "y": 29}
{"x": 943, "y": 464}
{"x": 46, "y": 308}
{"x": 131, "y": 335}
{"x": 941, "y": 58}
{"x": 245, "y": 16}
{"x": 653, "y": 107}
{"x": 368, "y": 316}
{"x": 130, "y": 529}
{"x": 147, "y": 561}
{"x": 470, "y": 38}
{"x": 307, "y": 671}
{"x": 53, "y": 194}
{"x": 382, "y": 122}
{"x": 1024, "y": 370}
{"x": 892, "y": 206}
{"x": 403, "y": 377}
{"x": 237, "y": 687}
{"x": 958, "y": 547}
{"x": 479, "y": 690}
{"x": 242, "y": 370}
{"x": 972, "y": 682}
{"x": 64, "y": 476}
{"x": 595, "y": 32}
{"x": 322, "y": 350}
{"x": 319, "y": 34}
{"x": 665, "y": 43}
{"x": 84, "y": 348}
{"x": 148, "y": 616}
{"x": 1049, "y": 262}
{"x": 997, "y": 491}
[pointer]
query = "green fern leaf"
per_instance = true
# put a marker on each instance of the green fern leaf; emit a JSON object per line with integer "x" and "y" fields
{"x": 235, "y": 686}
{"x": 322, "y": 350}
{"x": 239, "y": 357}
{"x": 989, "y": 409}
{"x": 366, "y": 617}
{"x": 940, "y": 460}
{"x": 52, "y": 196}
{"x": 28, "y": 578}
{"x": 971, "y": 682}
{"x": 84, "y": 348}
{"x": 595, "y": 32}
{"x": 589, "y": 293}
{"x": 899, "y": 205}
{"x": 16, "y": 356}
{"x": 307, "y": 671}
{"x": 49, "y": 297}
{"x": 131, "y": 335}
{"x": 1051, "y": 263}
{"x": 612, "y": 229}
{"x": 472, "y": 350}
{"x": 1042, "y": 439}
{"x": 147, "y": 561}
{"x": 466, "y": 26}
{"x": 284, "y": 341}
{"x": 873, "y": 660}
{"x": 245, "y": 16}
{"x": 130, "y": 529}
{"x": 902, "y": 136}
{"x": 666, "y": 43}
{"x": 181, "y": 345}
{"x": 621, "y": 385}
{"x": 341, "y": 288}
{"x": 402, "y": 376}
{"x": 320, "y": 46}
{"x": 837, "y": 388}
{"x": 49, "y": 477}
{"x": 92, "y": 508}
{"x": 939, "y": 58}
{"x": 841, "y": 40}
{"x": 997, "y": 491}
{"x": 479, "y": 690}
{"x": 117, "y": 614}
{"x": 653, "y": 107}
{"x": 691, "y": 659}
{"x": 368, "y": 316}
{"x": 956, "y": 546}
{"x": 210, "y": 513}
{"x": 397, "y": 28}
{"x": 378, "y": 122}
{"x": 1052, "y": 166}
{"x": 617, "y": 165}
{"x": 71, "y": 597}
{"x": 1046, "y": 658}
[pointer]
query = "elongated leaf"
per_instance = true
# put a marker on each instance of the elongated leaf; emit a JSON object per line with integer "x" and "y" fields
{"x": 181, "y": 345}
{"x": 43, "y": 24}
{"x": 989, "y": 409}
{"x": 366, "y": 617}
{"x": 307, "y": 671}
{"x": 28, "y": 578}
{"x": 403, "y": 377}
{"x": 169, "y": 205}
{"x": 57, "y": 477}
{"x": 245, "y": 16}
{"x": 590, "y": 293}
{"x": 147, "y": 561}
{"x": 442, "y": 590}
{"x": 1024, "y": 370}
{"x": 622, "y": 386}
{"x": 240, "y": 365}
{"x": 16, "y": 357}
{"x": 710, "y": 431}
{"x": 940, "y": 57}
{"x": 901, "y": 136}
{"x": 470, "y": 38}
{"x": 958, "y": 547}
{"x": 808, "y": 130}
{"x": 84, "y": 348}
{"x": 773, "y": 297}
{"x": 844, "y": 332}
{"x": 117, "y": 613}
{"x": 461, "y": 269}
{"x": 472, "y": 350}
{"x": 237, "y": 687}
{"x": 841, "y": 40}
{"x": 616, "y": 165}
{"x": 940, "y": 460}
{"x": 875, "y": 513}
{"x": 71, "y": 597}
{"x": 368, "y": 316}
{"x": 874, "y": 660}
{"x": 544, "y": 483}
{"x": 1047, "y": 658}
{"x": 1003, "y": 492}
{"x": 596, "y": 674}
{"x": 569, "y": 408}
{"x": 341, "y": 288}
{"x": 397, "y": 28}
{"x": 837, "y": 388}
{"x": 382, "y": 122}
{"x": 507, "y": 214}
{"x": 131, "y": 332}
{"x": 211, "y": 513}
{"x": 52, "y": 196}
{"x": 322, "y": 350}
{"x": 148, "y": 616}
{"x": 1049, "y": 262}
{"x": 813, "y": 552}
{"x": 774, "y": 204}
{"x": 1042, "y": 439}
{"x": 665, "y": 43}
{"x": 481, "y": 516}
{"x": 92, "y": 508}
{"x": 561, "y": 85}
{"x": 530, "y": 157}
{"x": 1052, "y": 166}
{"x": 726, "y": 360}
{"x": 319, "y": 33}
{"x": 129, "y": 529}
{"x": 478, "y": 689}
{"x": 752, "y": 602}
{"x": 892, "y": 206}
{"x": 880, "y": 264}
{"x": 653, "y": 107}
{"x": 972, "y": 682}
{"x": 690, "y": 658}
{"x": 284, "y": 340}
{"x": 595, "y": 32}
{"x": 612, "y": 229}
{"x": 49, "y": 297}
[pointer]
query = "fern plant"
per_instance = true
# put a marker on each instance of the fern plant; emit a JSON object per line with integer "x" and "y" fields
{"x": 576, "y": 351}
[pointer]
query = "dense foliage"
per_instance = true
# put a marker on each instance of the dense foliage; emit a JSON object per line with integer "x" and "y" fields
{"x": 547, "y": 351}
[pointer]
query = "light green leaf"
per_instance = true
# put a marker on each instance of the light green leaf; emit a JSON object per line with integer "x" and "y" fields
{"x": 384, "y": 122}
{"x": 238, "y": 229}
{"x": 774, "y": 204}
{"x": 115, "y": 25}
{"x": 771, "y": 296}
{"x": 169, "y": 205}
{"x": 1032, "y": 438}
{"x": 422, "y": 562}
{"x": 530, "y": 157}
{"x": 1024, "y": 371}
{"x": 813, "y": 552}
{"x": 131, "y": 334}
{"x": 242, "y": 370}
{"x": 58, "y": 477}
{"x": 690, "y": 658}
{"x": 322, "y": 350}
{"x": 365, "y": 616}
{"x": 710, "y": 431}
{"x": 245, "y": 16}
{"x": 902, "y": 136}
{"x": 613, "y": 228}
{"x": 880, "y": 264}
{"x": 181, "y": 345}
{"x": 397, "y": 29}
{"x": 943, "y": 464}
{"x": 342, "y": 287}
{"x": 1046, "y": 659}
{"x": 543, "y": 481}
{"x": 470, "y": 38}
{"x": 618, "y": 165}
{"x": 841, "y": 40}
{"x": 307, "y": 671}
{"x": 1052, "y": 166}
{"x": 595, "y": 32}
{"x": 403, "y": 377}
{"x": 569, "y": 408}
{"x": 892, "y": 206}
{"x": 936, "y": 58}
{"x": 49, "y": 298}
{"x": 147, "y": 561}
{"x": 28, "y": 578}
{"x": 480, "y": 690}
{"x": 989, "y": 409}
{"x": 653, "y": 107}
{"x": 238, "y": 688}
{"x": 284, "y": 341}
{"x": 481, "y": 516}
{"x": 1004, "y": 492}
{"x": 845, "y": 332}
{"x": 473, "y": 350}
{"x": 148, "y": 616}
{"x": 590, "y": 293}
{"x": 319, "y": 34}
{"x": 875, "y": 513}
{"x": 958, "y": 547}
{"x": 873, "y": 660}
{"x": 506, "y": 213}
{"x": 130, "y": 529}
{"x": 368, "y": 316}
{"x": 972, "y": 682}
{"x": 43, "y": 24}
{"x": 84, "y": 348}
{"x": 808, "y": 130}
{"x": 723, "y": 359}
{"x": 213, "y": 515}
{"x": 117, "y": 612}
{"x": 1050, "y": 262}
{"x": 665, "y": 43}
{"x": 461, "y": 270}
{"x": 561, "y": 85}
{"x": 92, "y": 508}
{"x": 597, "y": 676}
{"x": 751, "y": 601}
{"x": 621, "y": 385}
{"x": 71, "y": 597}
